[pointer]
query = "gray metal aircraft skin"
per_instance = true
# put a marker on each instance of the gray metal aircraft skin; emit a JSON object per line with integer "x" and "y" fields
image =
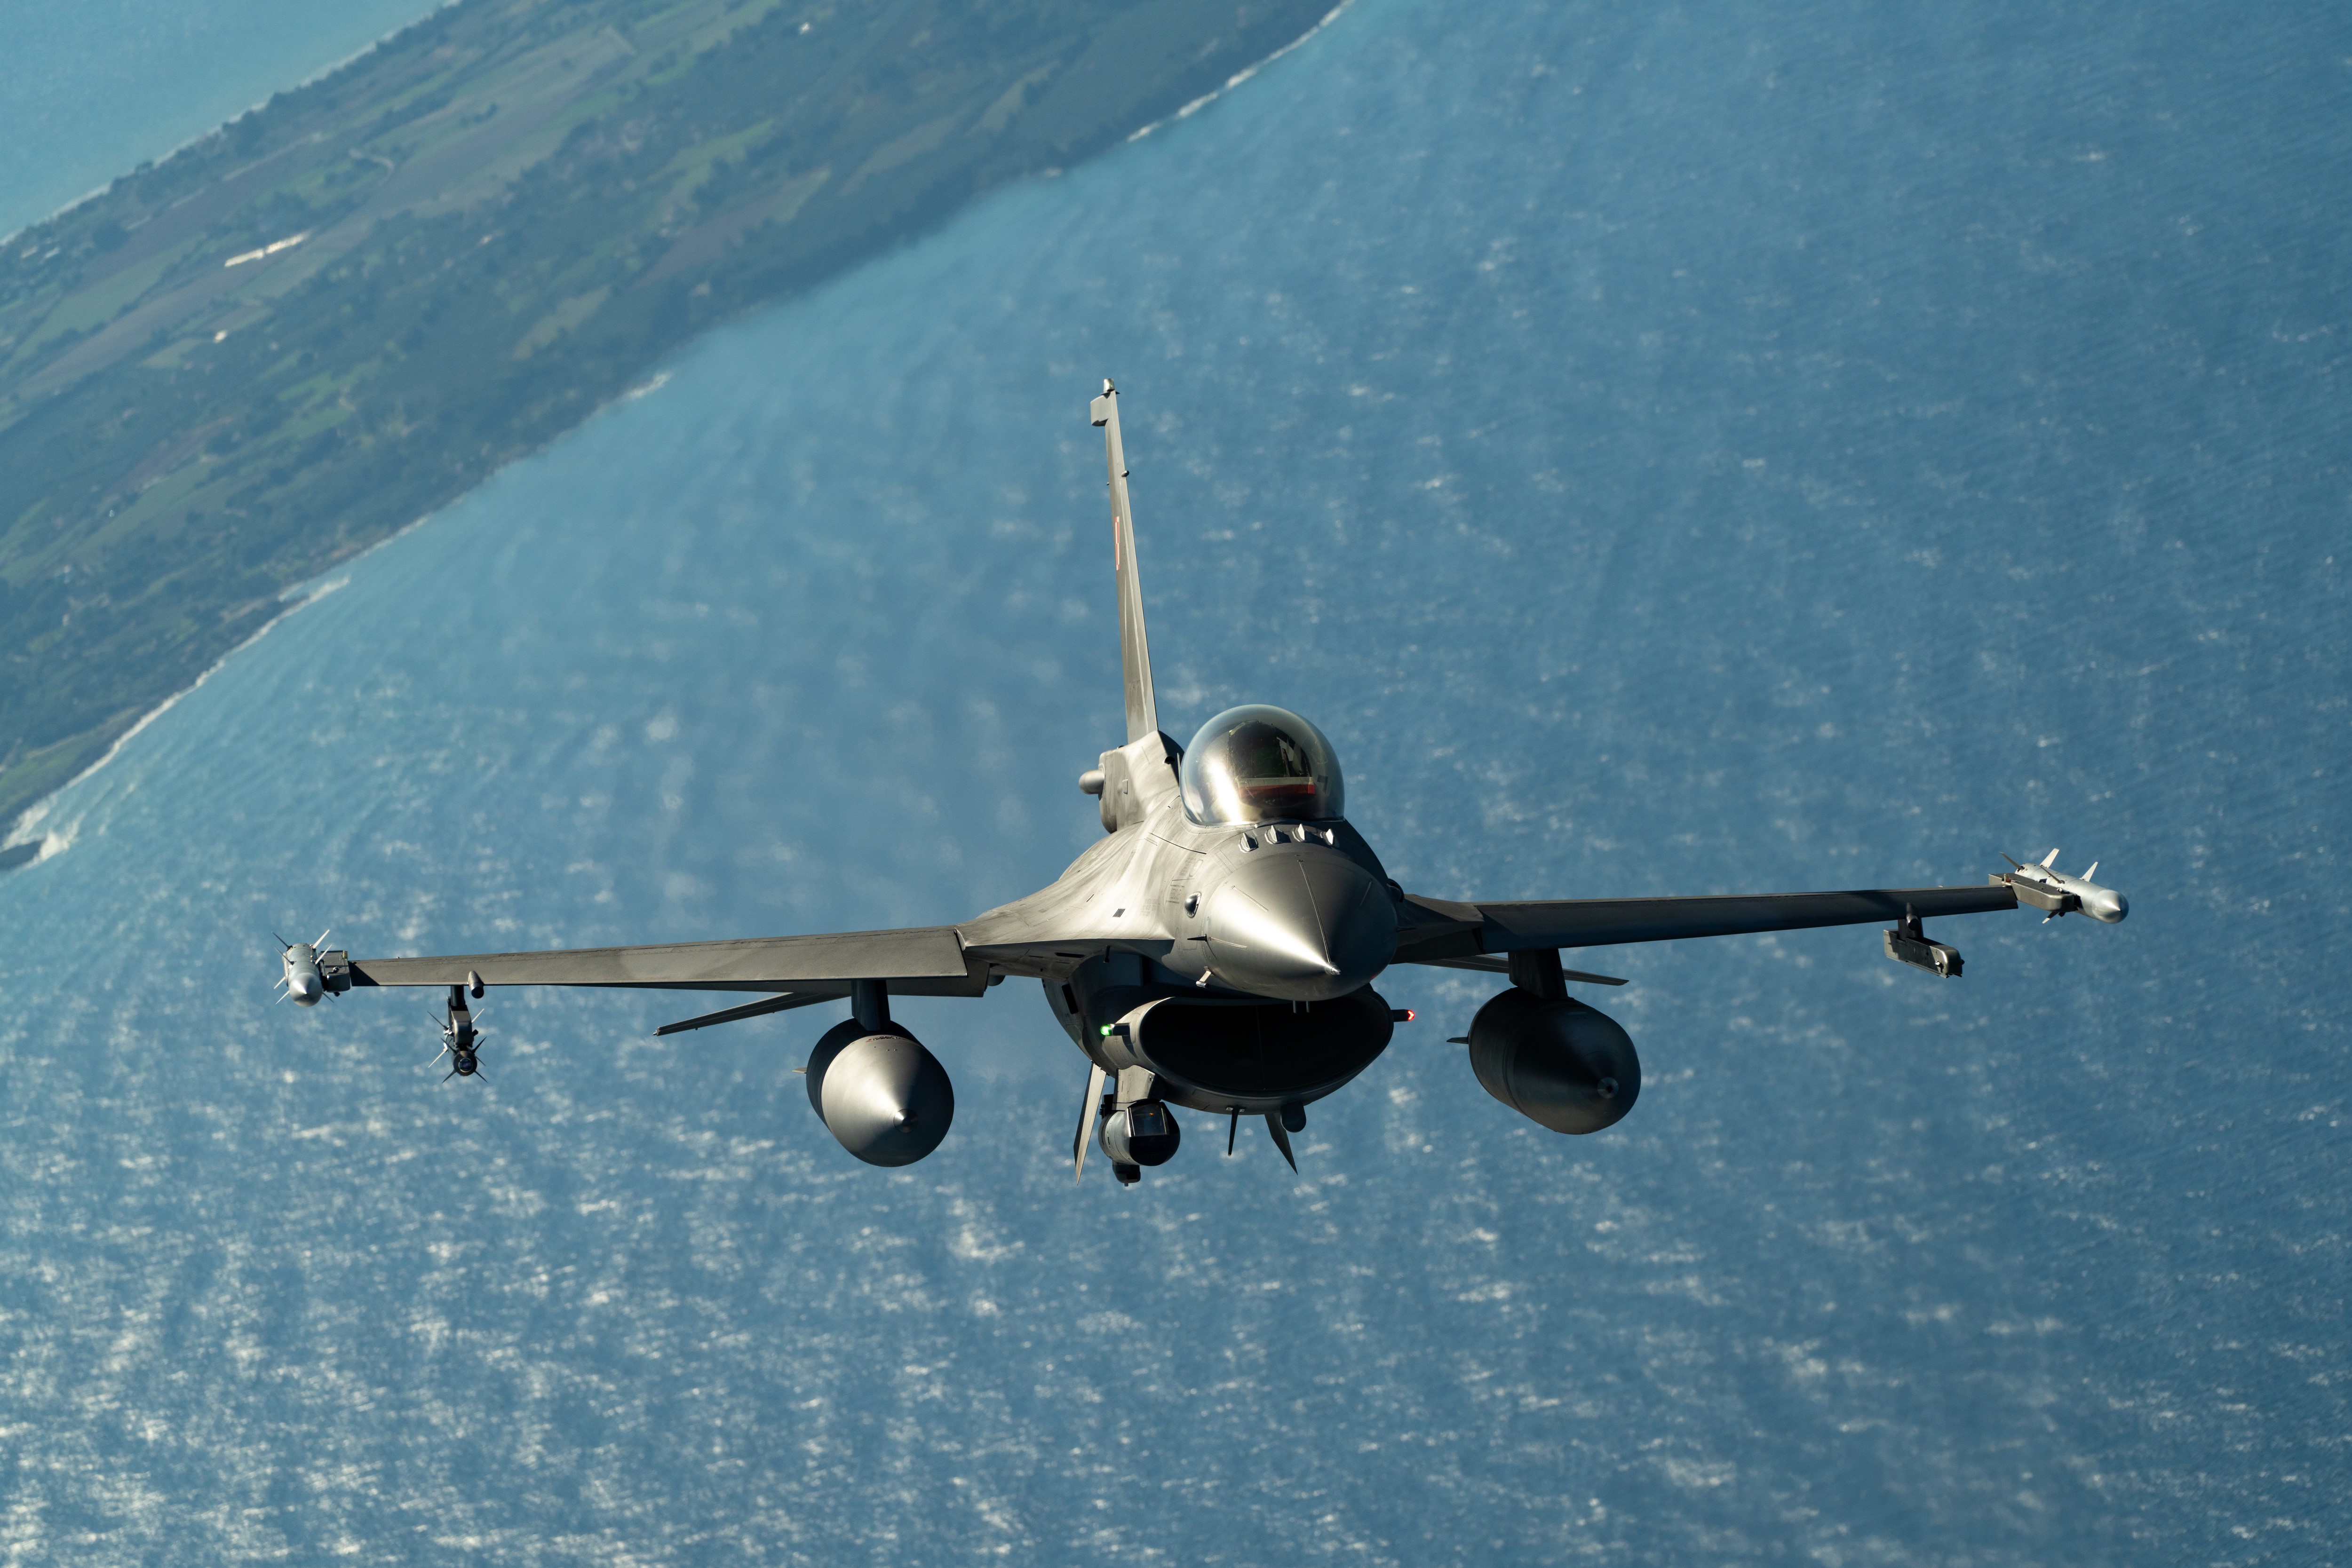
{"x": 1217, "y": 950}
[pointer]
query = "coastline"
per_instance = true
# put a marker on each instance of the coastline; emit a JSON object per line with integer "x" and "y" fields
{"x": 183, "y": 442}
{"x": 97, "y": 193}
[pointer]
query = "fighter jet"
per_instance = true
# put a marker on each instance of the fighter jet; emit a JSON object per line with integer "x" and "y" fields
{"x": 1217, "y": 950}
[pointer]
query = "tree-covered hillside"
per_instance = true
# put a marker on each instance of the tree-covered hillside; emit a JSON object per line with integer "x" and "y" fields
{"x": 264, "y": 354}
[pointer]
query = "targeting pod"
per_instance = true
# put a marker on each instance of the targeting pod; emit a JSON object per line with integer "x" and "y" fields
{"x": 1142, "y": 1134}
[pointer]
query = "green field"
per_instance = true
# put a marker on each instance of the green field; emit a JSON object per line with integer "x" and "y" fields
{"x": 470, "y": 239}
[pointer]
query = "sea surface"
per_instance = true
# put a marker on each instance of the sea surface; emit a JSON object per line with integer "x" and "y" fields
{"x": 1669, "y": 450}
{"x": 95, "y": 86}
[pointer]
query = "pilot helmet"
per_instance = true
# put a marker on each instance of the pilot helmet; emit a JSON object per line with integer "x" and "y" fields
{"x": 1260, "y": 763}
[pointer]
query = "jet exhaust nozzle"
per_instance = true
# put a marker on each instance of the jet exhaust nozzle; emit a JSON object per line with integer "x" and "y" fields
{"x": 1555, "y": 1061}
{"x": 884, "y": 1098}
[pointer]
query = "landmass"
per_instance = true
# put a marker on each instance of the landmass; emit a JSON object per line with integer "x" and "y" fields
{"x": 257, "y": 357}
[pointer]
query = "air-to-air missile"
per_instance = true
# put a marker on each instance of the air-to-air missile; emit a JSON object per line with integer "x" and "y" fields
{"x": 311, "y": 973}
{"x": 2052, "y": 892}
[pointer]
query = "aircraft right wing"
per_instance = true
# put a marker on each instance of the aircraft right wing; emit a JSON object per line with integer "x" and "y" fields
{"x": 923, "y": 961}
{"x": 1434, "y": 930}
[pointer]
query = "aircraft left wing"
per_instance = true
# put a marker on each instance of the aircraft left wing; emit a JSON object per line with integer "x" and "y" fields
{"x": 1434, "y": 930}
{"x": 923, "y": 961}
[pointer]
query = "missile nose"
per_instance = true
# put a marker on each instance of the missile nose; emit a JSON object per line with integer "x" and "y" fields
{"x": 2107, "y": 904}
{"x": 1308, "y": 924}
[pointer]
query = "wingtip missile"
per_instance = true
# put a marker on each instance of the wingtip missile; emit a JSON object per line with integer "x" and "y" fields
{"x": 310, "y": 970}
{"x": 2044, "y": 887}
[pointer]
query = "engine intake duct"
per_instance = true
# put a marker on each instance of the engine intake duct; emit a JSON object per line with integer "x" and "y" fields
{"x": 1249, "y": 1058}
{"x": 1555, "y": 1061}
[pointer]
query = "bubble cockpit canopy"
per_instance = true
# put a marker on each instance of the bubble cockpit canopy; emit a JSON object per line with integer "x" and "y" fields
{"x": 1260, "y": 763}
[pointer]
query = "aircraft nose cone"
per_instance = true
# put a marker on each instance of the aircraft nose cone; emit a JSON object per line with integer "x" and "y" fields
{"x": 1308, "y": 925}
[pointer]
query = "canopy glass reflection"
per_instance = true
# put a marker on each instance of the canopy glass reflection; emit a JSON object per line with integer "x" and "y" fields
{"x": 1259, "y": 764}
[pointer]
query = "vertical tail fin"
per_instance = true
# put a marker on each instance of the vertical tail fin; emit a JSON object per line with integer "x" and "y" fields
{"x": 1134, "y": 652}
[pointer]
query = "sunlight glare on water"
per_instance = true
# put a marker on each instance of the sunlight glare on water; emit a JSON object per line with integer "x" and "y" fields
{"x": 1687, "y": 452}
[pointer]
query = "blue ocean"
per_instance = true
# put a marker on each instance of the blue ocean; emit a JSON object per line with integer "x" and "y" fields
{"x": 1673, "y": 450}
{"x": 93, "y": 88}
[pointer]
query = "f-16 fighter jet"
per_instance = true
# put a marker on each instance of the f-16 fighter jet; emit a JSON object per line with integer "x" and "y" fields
{"x": 1217, "y": 950}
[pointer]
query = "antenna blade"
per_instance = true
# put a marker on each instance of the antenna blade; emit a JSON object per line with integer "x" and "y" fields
{"x": 1134, "y": 649}
{"x": 1281, "y": 1139}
